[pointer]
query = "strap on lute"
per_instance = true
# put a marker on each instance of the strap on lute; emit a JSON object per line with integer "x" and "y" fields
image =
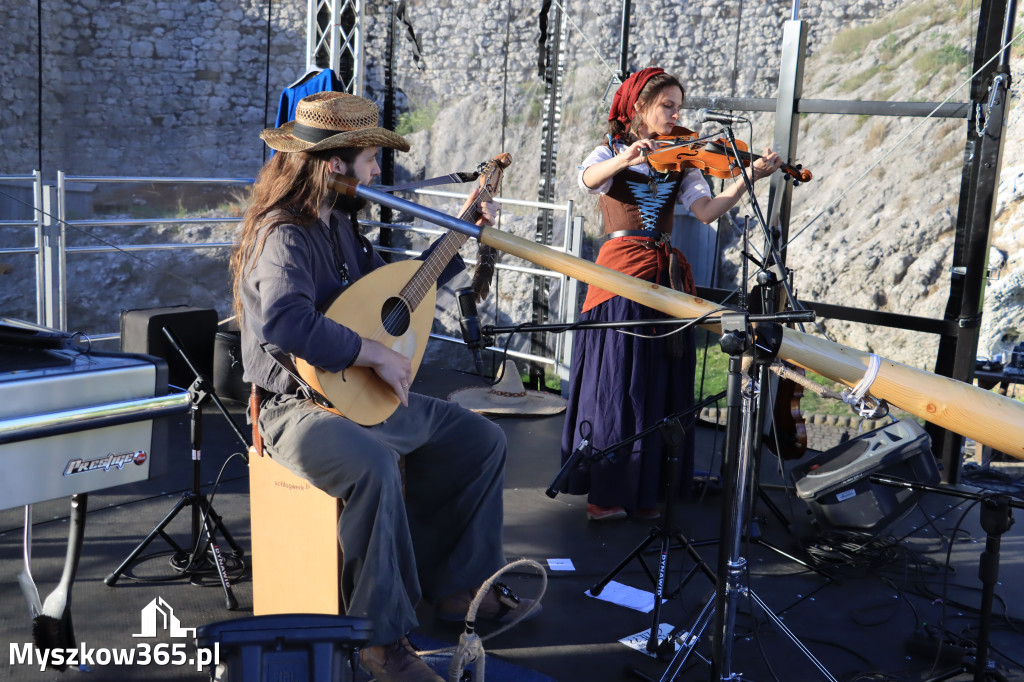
{"x": 285, "y": 361}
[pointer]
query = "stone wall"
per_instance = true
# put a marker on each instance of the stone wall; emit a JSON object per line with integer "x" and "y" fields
{"x": 162, "y": 88}
{"x": 703, "y": 42}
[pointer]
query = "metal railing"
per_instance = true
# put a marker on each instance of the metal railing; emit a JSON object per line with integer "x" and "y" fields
{"x": 39, "y": 208}
{"x": 51, "y": 221}
{"x": 568, "y": 287}
{"x": 64, "y": 221}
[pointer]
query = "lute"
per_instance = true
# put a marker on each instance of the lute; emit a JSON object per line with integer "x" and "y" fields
{"x": 393, "y": 305}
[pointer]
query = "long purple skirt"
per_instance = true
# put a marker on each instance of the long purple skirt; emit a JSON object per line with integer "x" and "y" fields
{"x": 621, "y": 385}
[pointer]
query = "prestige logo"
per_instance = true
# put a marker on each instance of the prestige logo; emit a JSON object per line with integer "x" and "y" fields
{"x": 80, "y": 466}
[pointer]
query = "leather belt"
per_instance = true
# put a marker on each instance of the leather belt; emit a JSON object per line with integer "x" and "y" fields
{"x": 649, "y": 234}
{"x": 256, "y": 397}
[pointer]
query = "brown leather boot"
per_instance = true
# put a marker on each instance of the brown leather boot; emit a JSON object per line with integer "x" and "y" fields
{"x": 396, "y": 662}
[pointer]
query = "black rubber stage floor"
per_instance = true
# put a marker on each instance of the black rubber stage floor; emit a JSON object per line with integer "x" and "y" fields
{"x": 810, "y": 604}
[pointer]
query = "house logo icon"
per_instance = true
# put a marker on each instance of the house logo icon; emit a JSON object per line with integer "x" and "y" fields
{"x": 158, "y": 615}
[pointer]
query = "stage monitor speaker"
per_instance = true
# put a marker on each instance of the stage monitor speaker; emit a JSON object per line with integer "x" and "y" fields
{"x": 836, "y": 487}
{"x": 195, "y": 328}
{"x": 305, "y": 647}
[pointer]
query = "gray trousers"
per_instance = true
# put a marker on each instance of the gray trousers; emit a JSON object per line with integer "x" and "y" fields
{"x": 442, "y": 536}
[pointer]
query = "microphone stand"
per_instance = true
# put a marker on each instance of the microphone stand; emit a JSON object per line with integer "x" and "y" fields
{"x": 770, "y": 277}
{"x": 996, "y": 519}
{"x": 673, "y": 432}
{"x": 762, "y": 343}
{"x": 490, "y": 330}
{"x": 205, "y": 520}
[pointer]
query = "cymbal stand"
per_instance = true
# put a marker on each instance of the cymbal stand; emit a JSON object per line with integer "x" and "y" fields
{"x": 205, "y": 521}
{"x": 738, "y": 338}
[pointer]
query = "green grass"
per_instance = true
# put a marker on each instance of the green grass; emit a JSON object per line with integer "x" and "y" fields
{"x": 947, "y": 55}
{"x": 857, "y": 40}
{"x": 927, "y": 63}
{"x": 712, "y": 366}
{"x": 417, "y": 119}
{"x": 891, "y": 45}
{"x": 859, "y": 79}
{"x": 858, "y": 121}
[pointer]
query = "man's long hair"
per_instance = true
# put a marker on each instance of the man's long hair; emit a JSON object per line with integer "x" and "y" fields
{"x": 290, "y": 189}
{"x": 628, "y": 135}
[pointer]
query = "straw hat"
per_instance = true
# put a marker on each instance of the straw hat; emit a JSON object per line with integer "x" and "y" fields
{"x": 508, "y": 396}
{"x": 329, "y": 120}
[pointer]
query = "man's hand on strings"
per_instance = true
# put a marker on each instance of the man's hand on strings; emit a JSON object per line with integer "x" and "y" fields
{"x": 487, "y": 210}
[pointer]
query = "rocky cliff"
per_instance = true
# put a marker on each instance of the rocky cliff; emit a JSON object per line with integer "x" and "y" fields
{"x": 875, "y": 227}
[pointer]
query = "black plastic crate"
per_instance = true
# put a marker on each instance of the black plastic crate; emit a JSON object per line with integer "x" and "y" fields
{"x": 299, "y": 647}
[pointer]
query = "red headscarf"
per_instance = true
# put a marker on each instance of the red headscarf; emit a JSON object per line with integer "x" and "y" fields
{"x": 628, "y": 93}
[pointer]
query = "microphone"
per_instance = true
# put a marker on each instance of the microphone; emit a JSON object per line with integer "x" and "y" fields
{"x": 707, "y": 116}
{"x": 570, "y": 464}
{"x": 470, "y": 323}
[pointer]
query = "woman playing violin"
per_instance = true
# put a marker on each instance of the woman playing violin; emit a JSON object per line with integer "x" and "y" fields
{"x": 623, "y": 383}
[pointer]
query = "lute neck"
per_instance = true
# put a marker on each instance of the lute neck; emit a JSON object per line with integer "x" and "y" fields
{"x": 443, "y": 253}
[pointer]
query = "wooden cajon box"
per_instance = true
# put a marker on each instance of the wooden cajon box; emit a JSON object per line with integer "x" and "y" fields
{"x": 296, "y": 557}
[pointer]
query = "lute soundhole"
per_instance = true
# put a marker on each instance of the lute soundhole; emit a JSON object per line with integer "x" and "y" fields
{"x": 395, "y": 316}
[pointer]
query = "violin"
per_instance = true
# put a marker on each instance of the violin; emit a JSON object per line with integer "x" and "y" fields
{"x": 682, "y": 148}
{"x": 789, "y": 428}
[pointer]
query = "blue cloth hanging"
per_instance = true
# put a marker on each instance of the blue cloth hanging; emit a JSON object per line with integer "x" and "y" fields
{"x": 326, "y": 80}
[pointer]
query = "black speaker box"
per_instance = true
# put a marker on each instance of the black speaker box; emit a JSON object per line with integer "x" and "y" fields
{"x": 836, "y": 487}
{"x": 308, "y": 647}
{"x": 195, "y": 328}
{"x": 227, "y": 367}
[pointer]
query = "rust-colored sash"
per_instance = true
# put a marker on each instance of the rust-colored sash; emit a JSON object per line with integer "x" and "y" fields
{"x": 640, "y": 257}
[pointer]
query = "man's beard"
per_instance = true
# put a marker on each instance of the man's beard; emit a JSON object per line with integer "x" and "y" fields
{"x": 349, "y": 204}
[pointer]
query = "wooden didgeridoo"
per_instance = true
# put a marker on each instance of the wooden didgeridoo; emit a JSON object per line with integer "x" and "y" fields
{"x": 981, "y": 415}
